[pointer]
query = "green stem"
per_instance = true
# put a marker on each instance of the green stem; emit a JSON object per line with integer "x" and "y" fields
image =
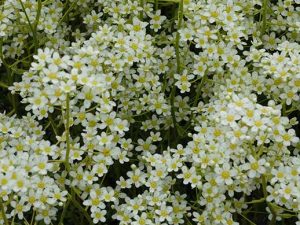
{"x": 1, "y": 55}
{"x": 290, "y": 111}
{"x": 3, "y": 85}
{"x": 178, "y": 62}
{"x": 30, "y": 26}
{"x": 249, "y": 221}
{"x": 3, "y": 213}
{"x": 283, "y": 109}
{"x": 82, "y": 210}
{"x": 264, "y": 16}
{"x": 180, "y": 19}
{"x": 156, "y": 5}
{"x": 32, "y": 218}
{"x": 256, "y": 201}
{"x": 264, "y": 186}
{"x": 37, "y": 19}
{"x": 53, "y": 125}
{"x": 198, "y": 92}
{"x": 67, "y": 164}
{"x": 66, "y": 14}
{"x": 142, "y": 11}
{"x": 64, "y": 212}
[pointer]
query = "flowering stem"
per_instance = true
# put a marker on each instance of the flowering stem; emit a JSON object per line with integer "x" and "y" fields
{"x": 156, "y": 5}
{"x": 79, "y": 207}
{"x": 3, "y": 213}
{"x": 32, "y": 218}
{"x": 180, "y": 19}
{"x": 264, "y": 16}
{"x": 256, "y": 201}
{"x": 284, "y": 109}
{"x": 10, "y": 78}
{"x": 178, "y": 66}
{"x": 67, "y": 164}
{"x": 142, "y": 11}
{"x": 65, "y": 209}
{"x": 3, "y": 85}
{"x": 33, "y": 30}
{"x": 249, "y": 221}
{"x": 54, "y": 127}
{"x": 198, "y": 92}
{"x": 66, "y": 13}
{"x": 37, "y": 19}
{"x": 264, "y": 186}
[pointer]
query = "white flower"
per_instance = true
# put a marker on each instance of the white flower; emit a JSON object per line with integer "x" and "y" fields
{"x": 225, "y": 174}
{"x": 255, "y": 167}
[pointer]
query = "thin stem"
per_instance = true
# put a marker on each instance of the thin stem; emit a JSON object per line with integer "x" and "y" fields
{"x": 30, "y": 25}
{"x": 11, "y": 112}
{"x": 37, "y": 19}
{"x": 156, "y": 5}
{"x": 256, "y": 201}
{"x": 249, "y": 221}
{"x": 264, "y": 17}
{"x": 67, "y": 132}
{"x": 198, "y": 92}
{"x": 1, "y": 54}
{"x": 32, "y": 218}
{"x": 53, "y": 125}
{"x": 142, "y": 11}
{"x": 180, "y": 19}
{"x": 3, "y": 85}
{"x": 290, "y": 111}
{"x": 178, "y": 62}
{"x": 81, "y": 209}
{"x": 264, "y": 186}
{"x": 64, "y": 212}
{"x": 66, "y": 14}
{"x": 283, "y": 109}
{"x": 3, "y": 213}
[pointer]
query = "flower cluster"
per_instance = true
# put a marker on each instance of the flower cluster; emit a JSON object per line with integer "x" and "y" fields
{"x": 27, "y": 162}
{"x": 149, "y": 112}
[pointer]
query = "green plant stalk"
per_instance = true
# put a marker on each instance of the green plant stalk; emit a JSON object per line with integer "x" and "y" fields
{"x": 156, "y": 5}
{"x": 37, "y": 20}
{"x": 10, "y": 77}
{"x": 65, "y": 209}
{"x": 38, "y": 15}
{"x": 67, "y": 164}
{"x": 1, "y": 55}
{"x": 3, "y": 85}
{"x": 264, "y": 17}
{"x": 66, "y": 14}
{"x": 284, "y": 109}
{"x": 178, "y": 62}
{"x": 80, "y": 208}
{"x": 249, "y": 221}
{"x": 141, "y": 12}
{"x": 264, "y": 186}
{"x": 164, "y": 1}
{"x": 20, "y": 61}
{"x": 3, "y": 213}
{"x": 53, "y": 125}
{"x": 256, "y": 201}
{"x": 180, "y": 19}
{"x": 33, "y": 31}
{"x": 198, "y": 91}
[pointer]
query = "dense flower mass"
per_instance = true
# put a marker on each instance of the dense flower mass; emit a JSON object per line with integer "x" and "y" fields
{"x": 149, "y": 112}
